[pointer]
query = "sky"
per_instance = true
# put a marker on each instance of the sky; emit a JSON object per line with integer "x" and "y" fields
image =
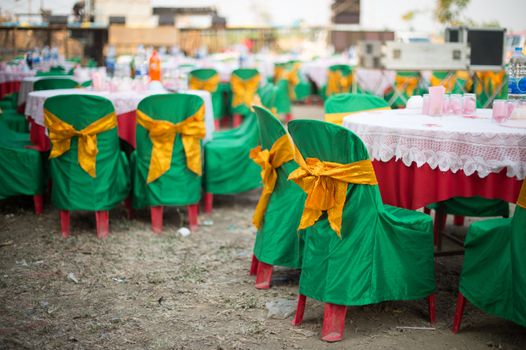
{"x": 376, "y": 14}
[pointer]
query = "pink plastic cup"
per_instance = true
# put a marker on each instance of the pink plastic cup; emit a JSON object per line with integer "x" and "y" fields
{"x": 455, "y": 104}
{"x": 425, "y": 104}
{"x": 436, "y": 100}
{"x": 500, "y": 111}
{"x": 469, "y": 103}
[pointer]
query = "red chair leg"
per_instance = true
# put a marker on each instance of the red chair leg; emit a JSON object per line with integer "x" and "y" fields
{"x": 300, "y": 310}
{"x": 459, "y": 311}
{"x": 333, "y": 322}
{"x": 458, "y": 220}
{"x": 236, "y": 120}
{"x": 432, "y": 308}
{"x": 102, "y": 218}
{"x": 427, "y": 211}
{"x": 263, "y": 276}
{"x": 129, "y": 208}
{"x": 253, "y": 266}
{"x": 39, "y": 204}
{"x": 192, "y": 216}
{"x": 157, "y": 219}
{"x": 64, "y": 223}
{"x": 217, "y": 124}
{"x": 288, "y": 117}
{"x": 439, "y": 224}
{"x": 209, "y": 202}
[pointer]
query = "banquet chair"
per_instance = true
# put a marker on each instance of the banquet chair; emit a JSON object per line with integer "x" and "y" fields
{"x": 167, "y": 163}
{"x": 339, "y": 80}
{"x": 14, "y": 120}
{"x": 285, "y": 80}
{"x": 244, "y": 83}
{"x": 21, "y": 167}
{"x": 55, "y": 83}
{"x": 357, "y": 251}
{"x": 278, "y": 212}
{"x": 228, "y": 167}
{"x": 340, "y": 105}
{"x": 88, "y": 170}
{"x": 493, "y": 276}
{"x": 208, "y": 79}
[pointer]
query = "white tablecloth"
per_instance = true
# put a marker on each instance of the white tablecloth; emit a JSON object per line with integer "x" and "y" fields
{"x": 27, "y": 85}
{"x": 124, "y": 102}
{"x": 6, "y": 76}
{"x": 450, "y": 143}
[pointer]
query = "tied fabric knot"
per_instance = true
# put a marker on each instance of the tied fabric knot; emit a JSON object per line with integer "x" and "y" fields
{"x": 244, "y": 90}
{"x": 209, "y": 84}
{"x": 325, "y": 184}
{"x": 280, "y": 153}
{"x": 521, "y": 202}
{"x": 61, "y": 133}
{"x": 338, "y": 83}
{"x": 162, "y": 135}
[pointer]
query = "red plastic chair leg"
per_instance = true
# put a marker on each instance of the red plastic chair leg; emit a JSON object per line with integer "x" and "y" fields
{"x": 129, "y": 208}
{"x": 263, "y": 276}
{"x": 192, "y": 216}
{"x": 39, "y": 204}
{"x": 236, "y": 120}
{"x": 333, "y": 322}
{"x": 459, "y": 311}
{"x": 427, "y": 211}
{"x": 209, "y": 202}
{"x": 439, "y": 224}
{"x": 253, "y": 266}
{"x": 432, "y": 308}
{"x": 458, "y": 220}
{"x": 64, "y": 223}
{"x": 300, "y": 310}
{"x": 157, "y": 219}
{"x": 217, "y": 124}
{"x": 103, "y": 222}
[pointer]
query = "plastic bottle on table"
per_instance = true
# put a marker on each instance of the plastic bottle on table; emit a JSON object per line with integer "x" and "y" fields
{"x": 154, "y": 67}
{"x": 110, "y": 61}
{"x": 517, "y": 76}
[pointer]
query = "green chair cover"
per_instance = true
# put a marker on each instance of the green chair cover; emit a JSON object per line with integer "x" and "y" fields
{"x": 9, "y": 101}
{"x": 303, "y": 89}
{"x": 86, "y": 84}
{"x": 53, "y": 84}
{"x": 205, "y": 74}
{"x": 51, "y": 73}
{"x": 493, "y": 276}
{"x": 228, "y": 167}
{"x": 15, "y": 121}
{"x": 20, "y": 168}
{"x": 346, "y": 72}
{"x": 73, "y": 188}
{"x": 339, "y": 105}
{"x": 406, "y": 84}
{"x": 277, "y": 242}
{"x": 178, "y": 186}
{"x": 384, "y": 253}
{"x": 243, "y": 74}
{"x": 474, "y": 206}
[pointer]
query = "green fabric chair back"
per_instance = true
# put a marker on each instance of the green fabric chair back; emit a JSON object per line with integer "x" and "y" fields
{"x": 21, "y": 168}
{"x": 493, "y": 276}
{"x": 15, "y": 121}
{"x": 228, "y": 167}
{"x": 268, "y": 94}
{"x": 345, "y": 69}
{"x": 349, "y": 103}
{"x": 277, "y": 242}
{"x": 385, "y": 253}
{"x": 54, "y": 84}
{"x": 73, "y": 188}
{"x": 50, "y": 74}
{"x": 217, "y": 96}
{"x": 178, "y": 186}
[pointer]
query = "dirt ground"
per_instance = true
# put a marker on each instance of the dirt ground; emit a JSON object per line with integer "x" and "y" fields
{"x": 138, "y": 290}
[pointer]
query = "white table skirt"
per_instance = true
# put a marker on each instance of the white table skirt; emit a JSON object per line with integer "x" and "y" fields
{"x": 123, "y": 102}
{"x": 450, "y": 143}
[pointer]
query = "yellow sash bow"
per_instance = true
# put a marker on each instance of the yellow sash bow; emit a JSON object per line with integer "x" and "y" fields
{"x": 521, "y": 202}
{"x": 338, "y": 83}
{"x": 162, "y": 134}
{"x": 337, "y": 118}
{"x": 280, "y": 153}
{"x": 406, "y": 84}
{"x": 60, "y": 134}
{"x": 244, "y": 90}
{"x": 291, "y": 76}
{"x": 326, "y": 186}
{"x": 209, "y": 84}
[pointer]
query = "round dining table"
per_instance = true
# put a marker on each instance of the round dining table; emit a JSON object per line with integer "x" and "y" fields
{"x": 124, "y": 102}
{"x": 421, "y": 159}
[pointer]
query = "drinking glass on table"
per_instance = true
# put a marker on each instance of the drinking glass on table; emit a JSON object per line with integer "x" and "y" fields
{"x": 469, "y": 103}
{"x": 500, "y": 111}
{"x": 445, "y": 104}
{"x": 455, "y": 104}
{"x": 425, "y": 104}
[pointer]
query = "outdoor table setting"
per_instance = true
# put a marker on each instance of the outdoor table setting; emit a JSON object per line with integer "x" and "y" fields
{"x": 421, "y": 159}
{"x": 125, "y": 103}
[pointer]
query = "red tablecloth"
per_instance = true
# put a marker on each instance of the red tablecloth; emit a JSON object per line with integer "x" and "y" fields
{"x": 413, "y": 187}
{"x": 9, "y": 87}
{"x": 126, "y": 130}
